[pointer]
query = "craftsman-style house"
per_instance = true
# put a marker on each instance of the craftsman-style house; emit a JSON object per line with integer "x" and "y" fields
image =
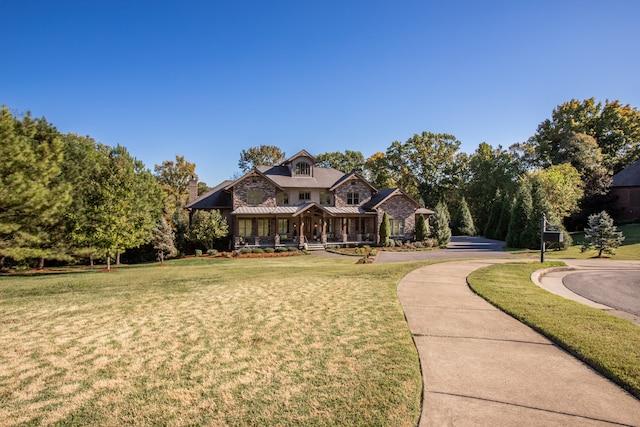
{"x": 299, "y": 203}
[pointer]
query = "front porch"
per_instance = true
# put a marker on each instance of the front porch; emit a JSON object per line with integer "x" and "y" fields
{"x": 308, "y": 225}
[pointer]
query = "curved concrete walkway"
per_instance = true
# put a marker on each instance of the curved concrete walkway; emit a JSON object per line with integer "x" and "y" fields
{"x": 482, "y": 367}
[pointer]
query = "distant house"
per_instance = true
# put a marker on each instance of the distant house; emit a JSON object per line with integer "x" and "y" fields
{"x": 626, "y": 185}
{"x": 299, "y": 203}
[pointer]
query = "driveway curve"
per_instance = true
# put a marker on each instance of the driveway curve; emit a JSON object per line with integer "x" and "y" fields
{"x": 459, "y": 247}
{"x": 617, "y": 289}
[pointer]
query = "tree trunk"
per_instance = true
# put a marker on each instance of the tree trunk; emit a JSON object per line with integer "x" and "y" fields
{"x": 1, "y": 262}
{"x": 41, "y": 263}
{"x": 90, "y": 260}
{"x": 118, "y": 257}
{"x": 108, "y": 261}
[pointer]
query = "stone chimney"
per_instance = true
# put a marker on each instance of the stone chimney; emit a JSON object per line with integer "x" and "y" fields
{"x": 193, "y": 190}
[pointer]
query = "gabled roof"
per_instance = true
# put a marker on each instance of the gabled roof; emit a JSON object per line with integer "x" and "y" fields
{"x": 301, "y": 153}
{"x": 628, "y": 177}
{"x": 383, "y": 195}
{"x": 215, "y": 198}
{"x": 253, "y": 172}
{"x": 281, "y": 176}
{"x": 348, "y": 177}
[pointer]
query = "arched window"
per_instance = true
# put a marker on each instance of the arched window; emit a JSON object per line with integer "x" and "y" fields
{"x": 303, "y": 168}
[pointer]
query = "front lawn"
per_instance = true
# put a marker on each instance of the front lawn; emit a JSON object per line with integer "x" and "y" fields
{"x": 607, "y": 343}
{"x": 630, "y": 249}
{"x": 278, "y": 341}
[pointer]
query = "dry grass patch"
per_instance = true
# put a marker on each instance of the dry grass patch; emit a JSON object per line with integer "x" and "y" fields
{"x": 283, "y": 341}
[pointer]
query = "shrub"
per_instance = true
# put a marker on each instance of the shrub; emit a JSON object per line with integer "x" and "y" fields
{"x": 258, "y": 251}
{"x": 198, "y": 252}
{"x": 292, "y": 249}
{"x": 245, "y": 251}
{"x": 419, "y": 245}
{"x": 269, "y": 250}
{"x": 212, "y": 252}
{"x": 281, "y": 249}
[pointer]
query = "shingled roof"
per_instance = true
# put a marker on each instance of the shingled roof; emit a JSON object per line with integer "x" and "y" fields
{"x": 628, "y": 177}
{"x": 213, "y": 199}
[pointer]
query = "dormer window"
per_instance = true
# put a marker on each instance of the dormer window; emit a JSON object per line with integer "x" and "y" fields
{"x": 303, "y": 168}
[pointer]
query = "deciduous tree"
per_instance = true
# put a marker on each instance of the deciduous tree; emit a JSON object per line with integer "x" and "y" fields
{"x": 261, "y": 155}
{"x": 347, "y": 162}
{"x": 207, "y": 227}
{"x": 174, "y": 177}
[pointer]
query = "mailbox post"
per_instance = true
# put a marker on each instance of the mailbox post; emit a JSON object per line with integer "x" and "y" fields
{"x": 543, "y": 245}
{"x": 548, "y": 236}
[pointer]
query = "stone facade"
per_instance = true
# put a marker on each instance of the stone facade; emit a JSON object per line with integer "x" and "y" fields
{"x": 319, "y": 209}
{"x": 352, "y": 186}
{"x": 400, "y": 207}
{"x": 241, "y": 189}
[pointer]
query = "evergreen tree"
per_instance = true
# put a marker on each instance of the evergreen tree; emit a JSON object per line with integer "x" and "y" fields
{"x": 207, "y": 227}
{"x": 520, "y": 215}
{"x": 33, "y": 195}
{"x": 601, "y": 234}
{"x": 421, "y": 229}
{"x": 502, "y": 228}
{"x": 385, "y": 230}
{"x": 439, "y": 222}
{"x": 465, "y": 221}
{"x": 490, "y": 229}
{"x": 164, "y": 240}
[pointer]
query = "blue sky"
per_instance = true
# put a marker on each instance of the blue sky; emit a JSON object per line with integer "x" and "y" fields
{"x": 207, "y": 79}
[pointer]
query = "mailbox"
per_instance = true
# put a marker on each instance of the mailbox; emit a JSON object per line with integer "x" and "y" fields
{"x": 553, "y": 236}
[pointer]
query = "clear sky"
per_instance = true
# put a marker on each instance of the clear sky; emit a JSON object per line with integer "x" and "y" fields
{"x": 207, "y": 79}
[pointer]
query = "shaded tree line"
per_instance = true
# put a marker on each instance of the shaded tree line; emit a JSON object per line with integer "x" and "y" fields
{"x": 563, "y": 170}
{"x": 65, "y": 196}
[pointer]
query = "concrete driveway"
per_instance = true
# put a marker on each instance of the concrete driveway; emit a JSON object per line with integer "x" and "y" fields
{"x": 459, "y": 247}
{"x": 606, "y": 284}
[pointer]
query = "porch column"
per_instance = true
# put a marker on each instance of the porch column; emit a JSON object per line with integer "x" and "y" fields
{"x": 345, "y": 238}
{"x": 276, "y": 235}
{"x": 301, "y": 231}
{"x": 323, "y": 237}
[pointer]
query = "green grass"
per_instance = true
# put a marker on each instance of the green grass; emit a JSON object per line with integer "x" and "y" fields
{"x": 630, "y": 249}
{"x": 607, "y": 343}
{"x": 279, "y": 341}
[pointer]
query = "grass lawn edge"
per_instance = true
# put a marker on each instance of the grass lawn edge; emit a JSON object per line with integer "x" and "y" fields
{"x": 563, "y": 321}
